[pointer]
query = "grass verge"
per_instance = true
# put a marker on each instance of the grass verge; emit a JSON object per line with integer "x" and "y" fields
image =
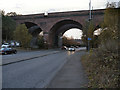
{"x": 102, "y": 68}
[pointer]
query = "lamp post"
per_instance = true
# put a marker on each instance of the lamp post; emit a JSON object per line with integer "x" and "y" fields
{"x": 90, "y": 10}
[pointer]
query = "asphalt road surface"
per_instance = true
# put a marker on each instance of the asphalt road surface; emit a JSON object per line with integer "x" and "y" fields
{"x": 34, "y": 73}
{"x": 23, "y": 55}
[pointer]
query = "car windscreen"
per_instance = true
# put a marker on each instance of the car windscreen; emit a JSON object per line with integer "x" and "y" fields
{"x": 3, "y": 47}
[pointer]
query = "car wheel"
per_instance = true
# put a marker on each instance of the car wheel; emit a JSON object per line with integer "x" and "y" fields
{"x": 15, "y": 52}
{"x": 5, "y": 53}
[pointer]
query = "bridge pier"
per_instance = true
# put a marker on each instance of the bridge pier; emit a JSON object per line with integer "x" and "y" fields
{"x": 33, "y": 42}
{"x": 46, "y": 40}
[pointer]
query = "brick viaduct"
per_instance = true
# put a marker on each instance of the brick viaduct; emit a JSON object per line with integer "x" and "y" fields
{"x": 55, "y": 24}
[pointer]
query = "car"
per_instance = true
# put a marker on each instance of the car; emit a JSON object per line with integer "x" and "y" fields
{"x": 71, "y": 49}
{"x": 17, "y": 44}
{"x": 64, "y": 48}
{"x": 5, "y": 44}
{"x": 7, "y": 49}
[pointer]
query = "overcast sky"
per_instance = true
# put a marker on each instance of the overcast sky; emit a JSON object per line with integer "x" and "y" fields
{"x": 40, "y": 6}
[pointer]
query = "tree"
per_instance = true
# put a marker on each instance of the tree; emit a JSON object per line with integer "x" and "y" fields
{"x": 88, "y": 32}
{"x": 111, "y": 23}
{"x": 40, "y": 41}
{"x": 112, "y": 5}
{"x": 21, "y": 35}
{"x": 11, "y": 14}
{"x": 64, "y": 40}
{"x": 2, "y": 13}
{"x": 85, "y": 33}
{"x": 69, "y": 41}
{"x": 8, "y": 27}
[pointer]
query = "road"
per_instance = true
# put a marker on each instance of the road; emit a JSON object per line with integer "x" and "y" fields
{"x": 34, "y": 73}
{"x": 72, "y": 74}
{"x": 26, "y": 55}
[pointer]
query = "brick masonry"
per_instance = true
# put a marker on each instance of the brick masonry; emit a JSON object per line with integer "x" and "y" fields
{"x": 47, "y": 22}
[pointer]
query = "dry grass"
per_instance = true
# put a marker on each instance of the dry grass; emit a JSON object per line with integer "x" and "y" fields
{"x": 102, "y": 67}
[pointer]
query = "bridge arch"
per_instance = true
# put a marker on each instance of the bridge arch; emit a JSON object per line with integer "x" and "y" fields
{"x": 34, "y": 30}
{"x": 58, "y": 29}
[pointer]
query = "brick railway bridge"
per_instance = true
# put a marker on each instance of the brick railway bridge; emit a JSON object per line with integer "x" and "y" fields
{"x": 54, "y": 25}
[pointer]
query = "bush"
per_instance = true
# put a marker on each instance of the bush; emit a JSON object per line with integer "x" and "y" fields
{"x": 21, "y": 35}
{"x": 102, "y": 63}
{"x": 102, "y": 67}
{"x": 40, "y": 42}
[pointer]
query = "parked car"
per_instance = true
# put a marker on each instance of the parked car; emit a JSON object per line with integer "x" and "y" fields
{"x": 12, "y": 44}
{"x": 17, "y": 44}
{"x": 7, "y": 49}
{"x": 71, "y": 49}
{"x": 5, "y": 44}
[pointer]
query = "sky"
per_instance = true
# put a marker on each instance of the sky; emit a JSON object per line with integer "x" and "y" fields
{"x": 74, "y": 32}
{"x": 41, "y": 6}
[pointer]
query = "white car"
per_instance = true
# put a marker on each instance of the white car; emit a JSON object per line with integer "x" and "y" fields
{"x": 7, "y": 49}
{"x": 17, "y": 44}
{"x": 5, "y": 45}
{"x": 71, "y": 49}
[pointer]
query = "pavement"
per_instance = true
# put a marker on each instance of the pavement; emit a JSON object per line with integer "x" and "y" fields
{"x": 71, "y": 75}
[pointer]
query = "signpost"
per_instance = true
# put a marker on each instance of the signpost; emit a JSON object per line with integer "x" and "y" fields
{"x": 89, "y": 39}
{"x": 88, "y": 43}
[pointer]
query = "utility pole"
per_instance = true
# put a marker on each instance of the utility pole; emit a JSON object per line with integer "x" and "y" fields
{"x": 88, "y": 39}
{"x": 90, "y": 10}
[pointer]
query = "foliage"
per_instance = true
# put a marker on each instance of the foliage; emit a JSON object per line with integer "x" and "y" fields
{"x": 90, "y": 29}
{"x": 2, "y": 13}
{"x": 110, "y": 29}
{"x": 102, "y": 66}
{"x": 40, "y": 41}
{"x": 21, "y": 35}
{"x": 102, "y": 63}
{"x": 111, "y": 17}
{"x": 88, "y": 32}
{"x": 69, "y": 41}
{"x": 85, "y": 33}
{"x": 12, "y": 14}
{"x": 8, "y": 27}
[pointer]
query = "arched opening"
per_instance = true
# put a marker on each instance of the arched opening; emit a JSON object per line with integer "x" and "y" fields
{"x": 96, "y": 33}
{"x": 59, "y": 29}
{"x": 72, "y": 37}
{"x": 35, "y": 31}
{"x": 97, "y": 30}
{"x": 73, "y": 33}
{"x": 33, "y": 28}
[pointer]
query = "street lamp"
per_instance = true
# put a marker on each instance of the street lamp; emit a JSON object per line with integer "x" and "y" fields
{"x": 90, "y": 10}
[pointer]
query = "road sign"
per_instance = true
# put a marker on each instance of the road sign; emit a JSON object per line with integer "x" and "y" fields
{"x": 89, "y": 38}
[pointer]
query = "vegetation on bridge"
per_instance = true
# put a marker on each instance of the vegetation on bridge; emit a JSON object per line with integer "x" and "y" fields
{"x": 102, "y": 63}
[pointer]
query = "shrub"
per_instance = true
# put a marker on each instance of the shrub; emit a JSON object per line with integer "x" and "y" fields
{"x": 102, "y": 67}
{"x": 40, "y": 41}
{"x": 21, "y": 35}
